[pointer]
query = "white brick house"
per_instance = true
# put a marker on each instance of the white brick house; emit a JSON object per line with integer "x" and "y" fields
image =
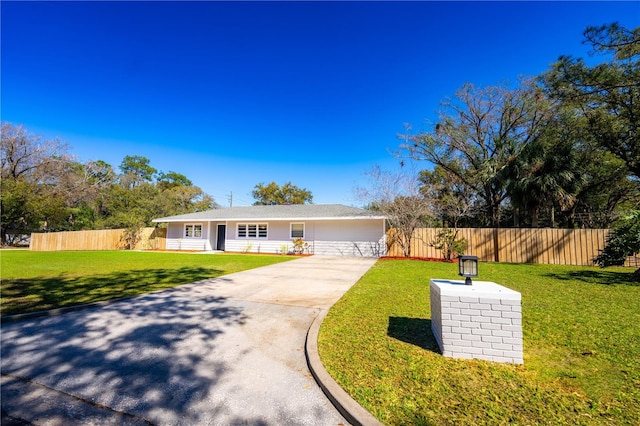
{"x": 329, "y": 229}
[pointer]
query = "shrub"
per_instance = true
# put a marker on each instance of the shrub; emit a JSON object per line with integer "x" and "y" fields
{"x": 622, "y": 242}
{"x": 300, "y": 246}
{"x": 447, "y": 241}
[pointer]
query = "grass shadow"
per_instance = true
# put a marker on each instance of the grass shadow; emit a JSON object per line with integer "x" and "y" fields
{"x": 35, "y": 294}
{"x": 415, "y": 331}
{"x": 602, "y": 277}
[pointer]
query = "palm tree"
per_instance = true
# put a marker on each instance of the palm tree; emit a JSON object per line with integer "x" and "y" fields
{"x": 546, "y": 174}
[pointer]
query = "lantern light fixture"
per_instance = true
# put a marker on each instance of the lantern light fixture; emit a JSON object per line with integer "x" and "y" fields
{"x": 468, "y": 267}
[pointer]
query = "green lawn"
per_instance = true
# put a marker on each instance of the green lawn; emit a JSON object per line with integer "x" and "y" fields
{"x": 34, "y": 281}
{"x": 581, "y": 331}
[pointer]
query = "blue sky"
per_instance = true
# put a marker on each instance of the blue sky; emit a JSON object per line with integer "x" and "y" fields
{"x": 232, "y": 94}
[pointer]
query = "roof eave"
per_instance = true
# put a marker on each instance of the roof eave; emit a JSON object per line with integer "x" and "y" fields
{"x": 250, "y": 219}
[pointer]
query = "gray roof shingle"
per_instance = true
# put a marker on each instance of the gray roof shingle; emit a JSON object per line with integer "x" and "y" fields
{"x": 278, "y": 212}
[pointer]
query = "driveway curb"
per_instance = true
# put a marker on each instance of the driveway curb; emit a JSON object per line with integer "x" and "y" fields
{"x": 353, "y": 412}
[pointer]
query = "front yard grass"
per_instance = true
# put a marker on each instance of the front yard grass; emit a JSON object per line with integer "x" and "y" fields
{"x": 581, "y": 329}
{"x": 35, "y": 281}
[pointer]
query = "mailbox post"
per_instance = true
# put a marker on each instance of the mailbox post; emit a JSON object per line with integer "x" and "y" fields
{"x": 482, "y": 320}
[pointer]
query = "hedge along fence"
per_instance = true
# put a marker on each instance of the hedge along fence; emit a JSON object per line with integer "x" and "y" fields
{"x": 107, "y": 239}
{"x": 520, "y": 245}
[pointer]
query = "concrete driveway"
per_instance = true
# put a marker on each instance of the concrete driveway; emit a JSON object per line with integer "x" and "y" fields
{"x": 225, "y": 351}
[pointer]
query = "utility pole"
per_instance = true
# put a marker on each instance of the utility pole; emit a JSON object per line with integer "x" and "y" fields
{"x": 230, "y": 199}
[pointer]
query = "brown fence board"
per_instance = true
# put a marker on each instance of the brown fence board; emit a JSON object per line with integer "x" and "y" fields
{"x": 522, "y": 245}
{"x": 106, "y": 239}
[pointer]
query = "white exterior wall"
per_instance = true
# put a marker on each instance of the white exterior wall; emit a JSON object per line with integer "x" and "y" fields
{"x": 355, "y": 237}
{"x": 176, "y": 239}
{"x": 278, "y": 233}
{"x": 349, "y": 237}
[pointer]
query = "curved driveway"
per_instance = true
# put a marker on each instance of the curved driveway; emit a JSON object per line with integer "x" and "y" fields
{"x": 226, "y": 351}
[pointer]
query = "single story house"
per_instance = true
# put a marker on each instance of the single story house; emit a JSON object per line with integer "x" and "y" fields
{"x": 329, "y": 229}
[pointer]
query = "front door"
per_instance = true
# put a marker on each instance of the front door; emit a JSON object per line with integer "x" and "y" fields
{"x": 222, "y": 235}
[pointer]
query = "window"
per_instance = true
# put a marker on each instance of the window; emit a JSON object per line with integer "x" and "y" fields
{"x": 252, "y": 230}
{"x": 297, "y": 230}
{"x": 262, "y": 230}
{"x": 193, "y": 231}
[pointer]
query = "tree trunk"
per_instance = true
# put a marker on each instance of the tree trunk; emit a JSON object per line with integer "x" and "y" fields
{"x": 571, "y": 218}
{"x": 406, "y": 239}
{"x": 494, "y": 214}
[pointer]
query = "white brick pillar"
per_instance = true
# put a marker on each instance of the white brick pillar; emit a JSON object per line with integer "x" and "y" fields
{"x": 482, "y": 321}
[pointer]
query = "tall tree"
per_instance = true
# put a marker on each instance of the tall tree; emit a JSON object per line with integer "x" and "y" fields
{"x": 273, "y": 193}
{"x": 547, "y": 173}
{"x": 136, "y": 200}
{"x": 397, "y": 196}
{"x": 171, "y": 180}
{"x": 136, "y": 170}
{"x": 481, "y": 132}
{"x": 605, "y": 192}
{"x": 452, "y": 202}
{"x": 43, "y": 188}
{"x": 607, "y": 94}
{"x": 182, "y": 199}
{"x": 29, "y": 156}
{"x": 31, "y": 168}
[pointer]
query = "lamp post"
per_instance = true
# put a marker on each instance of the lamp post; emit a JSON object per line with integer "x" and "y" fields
{"x": 468, "y": 267}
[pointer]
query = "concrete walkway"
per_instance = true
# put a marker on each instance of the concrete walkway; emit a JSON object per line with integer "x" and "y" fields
{"x": 224, "y": 351}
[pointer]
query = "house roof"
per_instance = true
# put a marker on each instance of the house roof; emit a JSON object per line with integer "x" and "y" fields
{"x": 277, "y": 212}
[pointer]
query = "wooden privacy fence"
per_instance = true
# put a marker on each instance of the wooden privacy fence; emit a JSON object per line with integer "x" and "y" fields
{"x": 520, "y": 245}
{"x": 107, "y": 239}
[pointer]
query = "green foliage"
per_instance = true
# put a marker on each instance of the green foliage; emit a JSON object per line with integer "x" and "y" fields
{"x": 581, "y": 351}
{"x": 273, "y": 193}
{"x": 563, "y": 149}
{"x": 451, "y": 198}
{"x": 35, "y": 182}
{"x": 131, "y": 237}
{"x": 129, "y": 207}
{"x": 605, "y": 193}
{"x": 15, "y": 195}
{"x": 623, "y": 241}
{"x": 99, "y": 173}
{"x": 58, "y": 279}
{"x": 447, "y": 241}
{"x": 481, "y": 132}
{"x": 606, "y": 94}
{"x": 135, "y": 170}
{"x": 43, "y": 189}
{"x": 547, "y": 172}
{"x": 172, "y": 180}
